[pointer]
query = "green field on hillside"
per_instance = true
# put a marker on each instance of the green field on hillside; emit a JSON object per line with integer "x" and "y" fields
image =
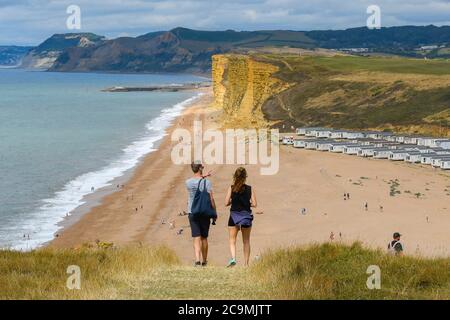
{"x": 328, "y": 271}
{"x": 352, "y": 92}
{"x": 381, "y": 64}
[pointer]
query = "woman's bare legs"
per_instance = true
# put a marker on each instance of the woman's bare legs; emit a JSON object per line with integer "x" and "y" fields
{"x": 233, "y": 231}
{"x": 246, "y": 239}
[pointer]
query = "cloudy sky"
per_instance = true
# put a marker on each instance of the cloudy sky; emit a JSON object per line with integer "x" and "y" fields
{"x": 29, "y": 22}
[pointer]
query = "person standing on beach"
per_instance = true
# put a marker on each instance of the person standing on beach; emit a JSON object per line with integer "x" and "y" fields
{"x": 241, "y": 197}
{"x": 395, "y": 246}
{"x": 199, "y": 225}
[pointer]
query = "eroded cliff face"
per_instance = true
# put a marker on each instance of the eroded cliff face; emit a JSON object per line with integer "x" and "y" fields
{"x": 241, "y": 85}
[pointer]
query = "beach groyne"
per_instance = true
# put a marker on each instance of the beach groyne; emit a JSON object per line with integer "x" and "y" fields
{"x": 161, "y": 88}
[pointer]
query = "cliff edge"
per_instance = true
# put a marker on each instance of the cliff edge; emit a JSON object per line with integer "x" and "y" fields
{"x": 241, "y": 86}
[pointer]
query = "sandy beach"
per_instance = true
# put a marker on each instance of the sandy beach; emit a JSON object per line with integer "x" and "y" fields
{"x": 313, "y": 180}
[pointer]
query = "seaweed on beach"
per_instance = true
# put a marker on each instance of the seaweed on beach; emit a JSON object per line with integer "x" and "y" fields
{"x": 394, "y": 185}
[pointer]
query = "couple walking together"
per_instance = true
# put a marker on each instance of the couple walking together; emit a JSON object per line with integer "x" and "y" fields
{"x": 202, "y": 210}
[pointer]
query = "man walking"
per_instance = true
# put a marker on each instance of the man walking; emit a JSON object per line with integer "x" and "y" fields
{"x": 199, "y": 224}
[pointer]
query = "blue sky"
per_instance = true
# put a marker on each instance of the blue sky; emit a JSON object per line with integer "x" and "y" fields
{"x": 29, "y": 22}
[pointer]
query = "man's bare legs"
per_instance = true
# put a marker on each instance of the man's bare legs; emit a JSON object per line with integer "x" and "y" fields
{"x": 197, "y": 248}
{"x": 204, "y": 242}
{"x": 201, "y": 249}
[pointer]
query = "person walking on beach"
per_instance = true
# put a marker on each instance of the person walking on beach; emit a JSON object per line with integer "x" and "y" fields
{"x": 241, "y": 197}
{"x": 199, "y": 224}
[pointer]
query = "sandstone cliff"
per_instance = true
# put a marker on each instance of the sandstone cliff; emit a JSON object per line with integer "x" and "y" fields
{"x": 288, "y": 91}
{"x": 241, "y": 86}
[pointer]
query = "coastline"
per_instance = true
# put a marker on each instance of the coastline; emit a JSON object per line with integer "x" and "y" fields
{"x": 97, "y": 199}
{"x": 308, "y": 179}
{"x": 91, "y": 200}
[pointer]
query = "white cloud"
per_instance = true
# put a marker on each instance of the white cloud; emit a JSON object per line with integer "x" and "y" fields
{"x": 32, "y": 21}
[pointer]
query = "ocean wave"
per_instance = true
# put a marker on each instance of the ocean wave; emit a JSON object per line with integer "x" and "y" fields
{"x": 43, "y": 224}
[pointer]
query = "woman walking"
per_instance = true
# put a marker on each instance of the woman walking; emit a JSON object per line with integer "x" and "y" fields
{"x": 241, "y": 197}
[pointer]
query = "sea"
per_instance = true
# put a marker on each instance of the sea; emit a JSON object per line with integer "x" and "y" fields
{"x": 62, "y": 138}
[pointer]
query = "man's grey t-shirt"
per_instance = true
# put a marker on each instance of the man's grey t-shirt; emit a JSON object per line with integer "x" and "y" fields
{"x": 191, "y": 185}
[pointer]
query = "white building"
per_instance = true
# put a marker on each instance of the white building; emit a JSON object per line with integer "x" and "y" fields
{"x": 428, "y": 158}
{"x": 411, "y": 139}
{"x": 436, "y": 162}
{"x": 367, "y": 151}
{"x": 337, "y": 147}
{"x": 312, "y": 132}
{"x": 430, "y": 142}
{"x": 386, "y": 136}
{"x": 353, "y": 135}
{"x": 440, "y": 151}
{"x": 352, "y": 148}
{"x": 299, "y": 143}
{"x": 323, "y": 133}
{"x": 423, "y": 149}
{"x": 371, "y": 134}
{"x": 337, "y": 134}
{"x": 300, "y": 131}
{"x": 413, "y": 157}
{"x": 311, "y": 144}
{"x": 378, "y": 143}
{"x": 444, "y": 144}
{"x": 323, "y": 145}
{"x": 445, "y": 164}
{"x": 391, "y": 138}
{"x": 400, "y": 139}
{"x": 393, "y": 146}
{"x": 306, "y": 130}
{"x": 382, "y": 153}
{"x": 398, "y": 155}
{"x": 363, "y": 141}
{"x": 408, "y": 147}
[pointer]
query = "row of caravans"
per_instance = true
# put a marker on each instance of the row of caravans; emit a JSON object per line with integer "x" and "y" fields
{"x": 364, "y": 147}
{"x": 317, "y": 132}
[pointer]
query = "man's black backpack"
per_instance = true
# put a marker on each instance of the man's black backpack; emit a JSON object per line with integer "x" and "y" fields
{"x": 201, "y": 204}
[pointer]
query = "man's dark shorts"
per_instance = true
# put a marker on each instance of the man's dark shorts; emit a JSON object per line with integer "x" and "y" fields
{"x": 199, "y": 226}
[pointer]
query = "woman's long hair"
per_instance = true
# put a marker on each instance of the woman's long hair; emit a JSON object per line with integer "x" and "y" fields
{"x": 239, "y": 178}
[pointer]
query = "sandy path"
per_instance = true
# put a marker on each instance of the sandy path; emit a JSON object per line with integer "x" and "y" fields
{"x": 307, "y": 179}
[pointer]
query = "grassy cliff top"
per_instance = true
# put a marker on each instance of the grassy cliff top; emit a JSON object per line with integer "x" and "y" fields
{"x": 327, "y": 271}
{"x": 353, "y": 92}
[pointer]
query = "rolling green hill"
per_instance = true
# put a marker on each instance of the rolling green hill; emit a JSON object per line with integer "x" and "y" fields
{"x": 187, "y": 50}
{"x": 404, "y": 95}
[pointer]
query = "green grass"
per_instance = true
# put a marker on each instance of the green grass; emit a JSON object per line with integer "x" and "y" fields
{"x": 105, "y": 273}
{"x": 317, "y": 98}
{"x": 339, "y": 272}
{"x": 325, "y": 271}
{"x": 382, "y": 64}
